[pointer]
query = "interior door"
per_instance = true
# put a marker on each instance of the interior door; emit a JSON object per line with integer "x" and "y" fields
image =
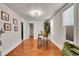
{"x": 31, "y": 26}
{"x": 22, "y": 31}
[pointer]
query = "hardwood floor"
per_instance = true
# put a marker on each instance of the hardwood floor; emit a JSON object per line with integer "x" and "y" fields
{"x": 29, "y": 48}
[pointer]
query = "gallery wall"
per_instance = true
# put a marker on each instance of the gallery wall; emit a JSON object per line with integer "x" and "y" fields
{"x": 10, "y": 39}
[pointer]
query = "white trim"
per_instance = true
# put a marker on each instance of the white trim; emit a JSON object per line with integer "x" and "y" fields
{"x": 56, "y": 44}
{"x": 9, "y": 50}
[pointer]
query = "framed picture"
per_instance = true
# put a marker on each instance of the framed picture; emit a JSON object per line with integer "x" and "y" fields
{"x": 15, "y": 21}
{"x": 4, "y": 16}
{"x": 7, "y": 27}
{"x": 15, "y": 28}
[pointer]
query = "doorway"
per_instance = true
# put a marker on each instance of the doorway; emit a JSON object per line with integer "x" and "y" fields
{"x": 31, "y": 27}
{"x": 22, "y": 36}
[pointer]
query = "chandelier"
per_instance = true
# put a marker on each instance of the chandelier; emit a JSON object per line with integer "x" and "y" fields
{"x": 36, "y": 13}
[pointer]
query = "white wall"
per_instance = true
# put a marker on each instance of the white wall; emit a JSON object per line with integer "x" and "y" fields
{"x": 58, "y": 35}
{"x": 10, "y": 39}
{"x": 38, "y": 26}
{"x": 25, "y": 29}
{"x": 77, "y": 23}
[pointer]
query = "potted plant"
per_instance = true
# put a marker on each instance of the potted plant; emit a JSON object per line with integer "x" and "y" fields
{"x": 46, "y": 28}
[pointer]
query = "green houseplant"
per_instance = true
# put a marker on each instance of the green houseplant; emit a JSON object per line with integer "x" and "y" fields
{"x": 47, "y": 28}
{"x": 70, "y": 49}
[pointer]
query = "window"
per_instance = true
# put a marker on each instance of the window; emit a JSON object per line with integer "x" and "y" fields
{"x": 68, "y": 23}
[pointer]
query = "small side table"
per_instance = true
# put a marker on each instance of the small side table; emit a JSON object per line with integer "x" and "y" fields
{"x": 45, "y": 42}
{"x": 39, "y": 43}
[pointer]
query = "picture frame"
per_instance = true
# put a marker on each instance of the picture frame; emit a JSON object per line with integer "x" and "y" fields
{"x": 7, "y": 27}
{"x": 15, "y": 21}
{"x": 16, "y": 28}
{"x": 4, "y": 16}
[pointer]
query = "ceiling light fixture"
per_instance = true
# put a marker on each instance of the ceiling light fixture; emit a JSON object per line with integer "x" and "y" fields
{"x": 36, "y": 13}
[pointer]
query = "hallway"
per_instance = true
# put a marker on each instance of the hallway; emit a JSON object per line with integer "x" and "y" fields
{"x": 54, "y": 21}
{"x": 29, "y": 48}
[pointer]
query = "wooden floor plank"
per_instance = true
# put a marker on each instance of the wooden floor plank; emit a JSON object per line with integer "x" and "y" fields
{"x": 29, "y": 48}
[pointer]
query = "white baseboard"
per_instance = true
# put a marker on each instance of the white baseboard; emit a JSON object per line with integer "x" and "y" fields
{"x": 56, "y": 44}
{"x": 9, "y": 50}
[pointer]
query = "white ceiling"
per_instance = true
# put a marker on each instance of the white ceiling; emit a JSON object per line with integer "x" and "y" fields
{"x": 23, "y": 9}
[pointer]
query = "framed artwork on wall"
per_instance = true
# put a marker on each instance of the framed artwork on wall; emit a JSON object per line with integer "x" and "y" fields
{"x": 15, "y": 21}
{"x": 15, "y": 28}
{"x": 7, "y": 27}
{"x": 4, "y": 16}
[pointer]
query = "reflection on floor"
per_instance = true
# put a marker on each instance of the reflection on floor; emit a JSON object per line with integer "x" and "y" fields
{"x": 29, "y": 48}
